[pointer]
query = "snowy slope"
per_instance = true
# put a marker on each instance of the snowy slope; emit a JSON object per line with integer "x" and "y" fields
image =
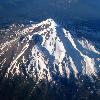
{"x": 45, "y": 50}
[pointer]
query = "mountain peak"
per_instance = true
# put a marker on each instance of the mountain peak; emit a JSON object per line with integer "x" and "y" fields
{"x": 45, "y": 50}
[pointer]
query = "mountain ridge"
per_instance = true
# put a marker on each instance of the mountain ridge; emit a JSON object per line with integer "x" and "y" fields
{"x": 46, "y": 50}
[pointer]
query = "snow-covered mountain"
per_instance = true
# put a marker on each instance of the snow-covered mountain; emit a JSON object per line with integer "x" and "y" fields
{"x": 46, "y": 50}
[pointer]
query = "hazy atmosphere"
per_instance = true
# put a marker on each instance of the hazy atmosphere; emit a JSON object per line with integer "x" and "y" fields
{"x": 35, "y": 10}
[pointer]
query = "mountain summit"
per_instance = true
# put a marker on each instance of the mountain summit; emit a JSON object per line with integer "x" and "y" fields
{"x": 46, "y": 50}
